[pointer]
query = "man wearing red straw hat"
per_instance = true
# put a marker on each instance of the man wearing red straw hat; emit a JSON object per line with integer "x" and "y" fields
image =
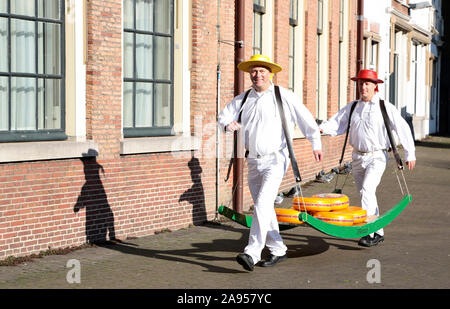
{"x": 267, "y": 158}
{"x": 369, "y": 139}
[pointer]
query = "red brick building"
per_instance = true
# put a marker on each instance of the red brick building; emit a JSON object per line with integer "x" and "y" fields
{"x": 108, "y": 120}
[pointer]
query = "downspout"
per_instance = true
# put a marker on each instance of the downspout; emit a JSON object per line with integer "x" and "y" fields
{"x": 238, "y": 163}
{"x": 218, "y": 131}
{"x": 359, "y": 39}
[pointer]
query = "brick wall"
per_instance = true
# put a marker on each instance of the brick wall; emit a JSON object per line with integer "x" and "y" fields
{"x": 103, "y": 75}
{"x": 61, "y": 203}
{"x": 400, "y": 7}
{"x": 281, "y": 41}
{"x": 333, "y": 59}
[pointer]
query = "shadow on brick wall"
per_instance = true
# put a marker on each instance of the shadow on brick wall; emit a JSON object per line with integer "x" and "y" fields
{"x": 195, "y": 194}
{"x": 99, "y": 217}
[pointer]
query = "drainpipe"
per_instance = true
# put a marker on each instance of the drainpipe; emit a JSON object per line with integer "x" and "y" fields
{"x": 238, "y": 163}
{"x": 218, "y": 135}
{"x": 359, "y": 39}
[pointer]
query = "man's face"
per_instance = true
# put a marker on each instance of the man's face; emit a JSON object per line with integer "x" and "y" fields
{"x": 366, "y": 89}
{"x": 260, "y": 77}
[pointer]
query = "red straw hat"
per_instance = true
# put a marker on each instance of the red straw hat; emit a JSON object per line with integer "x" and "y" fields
{"x": 368, "y": 75}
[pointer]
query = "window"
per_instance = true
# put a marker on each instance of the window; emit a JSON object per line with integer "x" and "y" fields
{"x": 259, "y": 9}
{"x": 293, "y": 22}
{"x": 32, "y": 70}
{"x": 148, "y": 68}
{"x": 394, "y": 68}
{"x": 319, "y": 16}
{"x": 415, "y": 60}
{"x": 374, "y": 56}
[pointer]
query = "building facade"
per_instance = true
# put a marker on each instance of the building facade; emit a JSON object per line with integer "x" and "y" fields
{"x": 402, "y": 42}
{"x": 108, "y": 108}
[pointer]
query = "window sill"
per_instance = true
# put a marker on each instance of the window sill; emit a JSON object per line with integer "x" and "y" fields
{"x": 35, "y": 151}
{"x": 159, "y": 144}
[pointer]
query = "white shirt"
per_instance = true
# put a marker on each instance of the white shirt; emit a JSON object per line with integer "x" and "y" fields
{"x": 367, "y": 130}
{"x": 263, "y": 132}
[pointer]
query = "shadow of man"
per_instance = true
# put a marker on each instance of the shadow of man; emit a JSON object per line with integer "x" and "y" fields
{"x": 195, "y": 194}
{"x": 99, "y": 217}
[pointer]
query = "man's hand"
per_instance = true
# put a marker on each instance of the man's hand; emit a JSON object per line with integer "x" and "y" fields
{"x": 318, "y": 155}
{"x": 232, "y": 126}
{"x": 411, "y": 164}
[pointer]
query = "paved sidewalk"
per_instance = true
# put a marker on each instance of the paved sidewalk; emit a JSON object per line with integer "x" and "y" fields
{"x": 415, "y": 253}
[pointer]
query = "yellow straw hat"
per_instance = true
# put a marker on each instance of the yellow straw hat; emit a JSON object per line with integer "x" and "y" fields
{"x": 259, "y": 60}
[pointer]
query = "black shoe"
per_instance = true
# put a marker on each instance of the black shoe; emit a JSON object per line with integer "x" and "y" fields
{"x": 368, "y": 241}
{"x": 274, "y": 259}
{"x": 246, "y": 261}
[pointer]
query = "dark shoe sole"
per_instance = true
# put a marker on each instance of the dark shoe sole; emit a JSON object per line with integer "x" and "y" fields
{"x": 244, "y": 262}
{"x": 370, "y": 244}
{"x": 269, "y": 264}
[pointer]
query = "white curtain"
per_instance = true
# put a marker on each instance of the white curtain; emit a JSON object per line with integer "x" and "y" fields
{"x": 48, "y": 8}
{"x": 144, "y": 56}
{"x": 23, "y": 106}
{"x": 128, "y": 104}
{"x": 49, "y": 43}
{"x": 153, "y": 54}
{"x": 162, "y": 16}
{"x": 3, "y": 103}
{"x": 162, "y": 57}
{"x": 144, "y": 100}
{"x": 128, "y": 14}
{"x": 144, "y": 15}
{"x": 23, "y": 47}
{"x": 3, "y": 6}
{"x": 22, "y": 7}
{"x": 23, "y": 60}
{"x": 162, "y": 106}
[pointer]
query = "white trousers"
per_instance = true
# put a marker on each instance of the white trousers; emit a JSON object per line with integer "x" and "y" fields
{"x": 264, "y": 178}
{"x": 367, "y": 170}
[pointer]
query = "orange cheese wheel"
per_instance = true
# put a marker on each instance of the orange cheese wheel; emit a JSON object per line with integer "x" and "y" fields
{"x": 287, "y": 215}
{"x": 335, "y": 218}
{"x": 321, "y": 202}
{"x": 359, "y": 214}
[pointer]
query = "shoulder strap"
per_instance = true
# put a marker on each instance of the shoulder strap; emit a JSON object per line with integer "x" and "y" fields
{"x": 348, "y": 130}
{"x": 389, "y": 132}
{"x": 287, "y": 135}
{"x": 239, "y": 120}
{"x": 242, "y": 104}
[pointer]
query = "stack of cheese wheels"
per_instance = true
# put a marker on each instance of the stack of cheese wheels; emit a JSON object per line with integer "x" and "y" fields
{"x": 332, "y": 208}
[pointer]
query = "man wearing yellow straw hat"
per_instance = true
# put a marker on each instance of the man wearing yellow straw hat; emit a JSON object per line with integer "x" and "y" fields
{"x": 267, "y": 157}
{"x": 370, "y": 141}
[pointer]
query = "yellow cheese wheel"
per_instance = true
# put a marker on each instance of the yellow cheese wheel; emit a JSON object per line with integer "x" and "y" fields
{"x": 287, "y": 215}
{"x": 359, "y": 214}
{"x": 321, "y": 202}
{"x": 335, "y": 218}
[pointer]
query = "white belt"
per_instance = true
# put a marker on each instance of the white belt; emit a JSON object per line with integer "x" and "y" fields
{"x": 259, "y": 156}
{"x": 365, "y": 153}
